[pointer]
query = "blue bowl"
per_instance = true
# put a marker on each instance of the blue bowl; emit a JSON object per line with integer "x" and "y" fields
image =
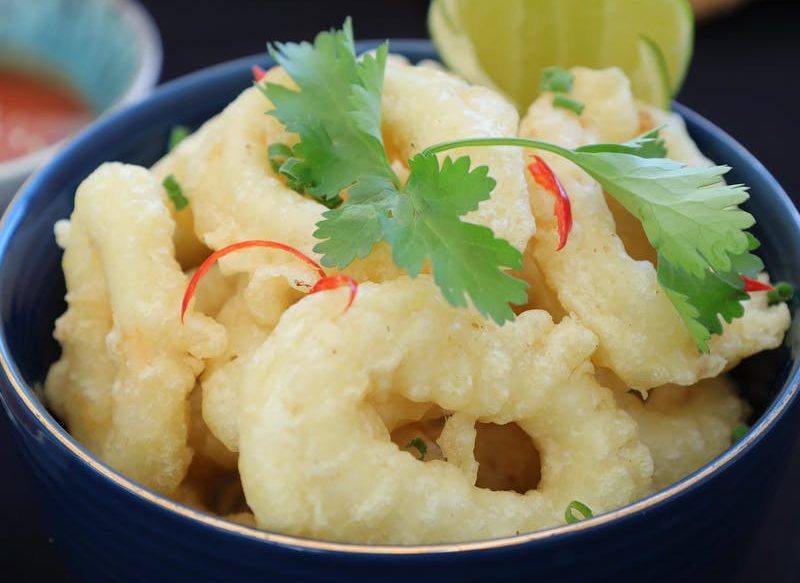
{"x": 108, "y": 528}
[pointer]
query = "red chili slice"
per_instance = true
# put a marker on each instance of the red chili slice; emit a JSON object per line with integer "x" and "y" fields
{"x": 334, "y": 282}
{"x": 546, "y": 178}
{"x": 258, "y": 73}
{"x": 753, "y": 285}
{"x": 324, "y": 283}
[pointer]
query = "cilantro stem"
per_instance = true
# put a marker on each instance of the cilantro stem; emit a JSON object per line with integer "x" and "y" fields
{"x": 520, "y": 142}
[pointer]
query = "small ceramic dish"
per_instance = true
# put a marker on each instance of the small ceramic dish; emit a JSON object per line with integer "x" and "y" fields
{"x": 109, "y": 50}
{"x": 108, "y": 528}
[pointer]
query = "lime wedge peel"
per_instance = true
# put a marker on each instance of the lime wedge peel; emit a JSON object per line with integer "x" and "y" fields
{"x": 650, "y": 79}
{"x": 506, "y": 45}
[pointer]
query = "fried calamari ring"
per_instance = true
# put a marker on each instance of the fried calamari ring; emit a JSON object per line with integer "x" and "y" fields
{"x": 221, "y": 379}
{"x": 423, "y": 106}
{"x": 685, "y": 427}
{"x": 128, "y": 365}
{"x": 235, "y": 195}
{"x": 316, "y": 459}
{"x": 607, "y": 281}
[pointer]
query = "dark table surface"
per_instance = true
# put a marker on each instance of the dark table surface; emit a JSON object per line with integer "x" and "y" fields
{"x": 745, "y": 76}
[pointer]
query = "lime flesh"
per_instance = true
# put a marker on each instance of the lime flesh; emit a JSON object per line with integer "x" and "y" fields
{"x": 506, "y": 44}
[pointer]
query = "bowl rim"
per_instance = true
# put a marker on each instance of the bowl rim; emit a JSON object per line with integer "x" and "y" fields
{"x": 149, "y": 59}
{"x": 36, "y": 409}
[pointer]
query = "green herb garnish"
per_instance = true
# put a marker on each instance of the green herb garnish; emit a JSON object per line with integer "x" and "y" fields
{"x": 278, "y": 154}
{"x": 419, "y": 444}
{"x": 690, "y": 217}
{"x": 739, "y": 432}
{"x": 565, "y": 102}
{"x": 175, "y": 192}
{"x": 556, "y": 79}
{"x": 782, "y": 292}
{"x": 337, "y": 114}
{"x": 176, "y": 135}
{"x": 584, "y": 512}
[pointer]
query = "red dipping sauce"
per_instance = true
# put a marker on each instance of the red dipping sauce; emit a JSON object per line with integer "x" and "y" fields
{"x": 36, "y": 109}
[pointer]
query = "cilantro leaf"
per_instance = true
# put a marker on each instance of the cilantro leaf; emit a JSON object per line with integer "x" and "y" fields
{"x": 422, "y": 222}
{"x": 336, "y": 112}
{"x": 694, "y": 223}
{"x": 701, "y": 300}
{"x": 467, "y": 259}
{"x": 689, "y": 217}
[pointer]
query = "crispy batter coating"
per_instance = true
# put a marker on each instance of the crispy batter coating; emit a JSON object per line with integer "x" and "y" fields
{"x": 128, "y": 364}
{"x": 423, "y": 106}
{"x": 305, "y": 413}
{"x": 611, "y": 290}
{"x": 318, "y": 406}
{"x": 685, "y": 427}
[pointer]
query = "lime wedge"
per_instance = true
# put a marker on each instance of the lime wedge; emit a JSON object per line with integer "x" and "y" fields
{"x": 506, "y": 44}
{"x": 650, "y": 79}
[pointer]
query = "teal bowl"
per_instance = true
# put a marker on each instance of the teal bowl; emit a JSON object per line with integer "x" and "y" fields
{"x": 108, "y": 528}
{"x": 109, "y": 50}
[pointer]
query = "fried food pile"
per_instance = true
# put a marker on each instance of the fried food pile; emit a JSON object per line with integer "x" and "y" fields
{"x": 400, "y": 419}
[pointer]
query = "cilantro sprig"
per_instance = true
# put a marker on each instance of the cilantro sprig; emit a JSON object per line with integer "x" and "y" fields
{"x": 337, "y": 115}
{"x": 689, "y": 216}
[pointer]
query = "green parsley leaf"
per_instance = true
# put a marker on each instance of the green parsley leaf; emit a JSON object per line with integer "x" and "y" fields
{"x": 584, "y": 512}
{"x": 176, "y": 135}
{"x": 556, "y": 79}
{"x": 739, "y": 432}
{"x": 420, "y": 445}
{"x": 572, "y": 105}
{"x": 175, "y": 192}
{"x": 783, "y": 292}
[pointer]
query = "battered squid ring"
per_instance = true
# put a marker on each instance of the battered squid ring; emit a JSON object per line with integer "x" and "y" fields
{"x": 685, "y": 427}
{"x": 128, "y": 364}
{"x": 235, "y": 195}
{"x": 316, "y": 459}
{"x": 605, "y": 275}
{"x": 421, "y": 106}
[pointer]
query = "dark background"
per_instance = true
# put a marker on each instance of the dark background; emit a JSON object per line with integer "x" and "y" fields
{"x": 744, "y": 77}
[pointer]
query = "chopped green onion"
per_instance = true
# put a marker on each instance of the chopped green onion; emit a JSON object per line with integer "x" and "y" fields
{"x": 782, "y": 292}
{"x": 556, "y": 79}
{"x": 278, "y": 154}
{"x": 565, "y": 102}
{"x": 576, "y": 506}
{"x": 176, "y": 136}
{"x": 175, "y": 193}
{"x": 420, "y": 445}
{"x": 739, "y": 432}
